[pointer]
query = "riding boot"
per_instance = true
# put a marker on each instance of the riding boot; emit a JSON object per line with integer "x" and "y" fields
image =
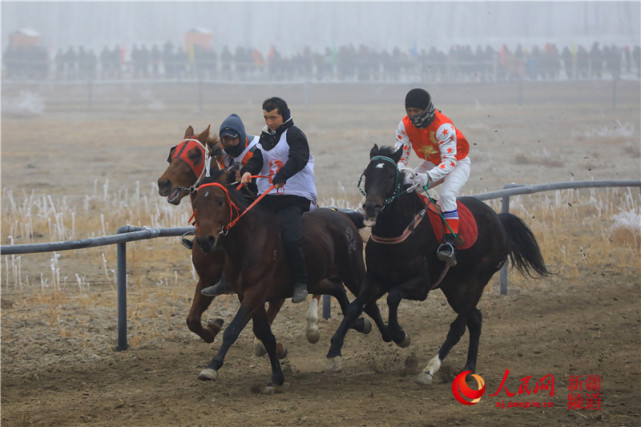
{"x": 220, "y": 288}
{"x": 446, "y": 252}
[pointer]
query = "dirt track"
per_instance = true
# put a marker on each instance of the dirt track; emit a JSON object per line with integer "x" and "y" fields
{"x": 58, "y": 366}
{"x": 588, "y": 326}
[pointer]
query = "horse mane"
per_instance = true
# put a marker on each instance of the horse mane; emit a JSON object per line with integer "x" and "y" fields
{"x": 215, "y": 147}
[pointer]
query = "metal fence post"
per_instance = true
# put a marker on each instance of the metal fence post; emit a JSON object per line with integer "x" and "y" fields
{"x": 89, "y": 93}
{"x": 505, "y": 208}
{"x": 122, "y": 296}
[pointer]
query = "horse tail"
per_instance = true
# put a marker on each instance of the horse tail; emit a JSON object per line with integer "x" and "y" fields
{"x": 523, "y": 248}
{"x": 357, "y": 218}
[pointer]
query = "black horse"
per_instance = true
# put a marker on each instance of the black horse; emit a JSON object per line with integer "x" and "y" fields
{"x": 409, "y": 268}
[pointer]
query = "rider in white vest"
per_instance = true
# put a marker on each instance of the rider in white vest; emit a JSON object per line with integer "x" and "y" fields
{"x": 283, "y": 156}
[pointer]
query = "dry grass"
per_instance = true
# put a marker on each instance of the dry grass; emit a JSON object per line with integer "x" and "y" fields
{"x": 576, "y": 229}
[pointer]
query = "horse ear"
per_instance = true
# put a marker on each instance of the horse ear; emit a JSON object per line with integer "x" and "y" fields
{"x": 189, "y": 132}
{"x": 373, "y": 151}
{"x": 204, "y": 135}
{"x": 396, "y": 155}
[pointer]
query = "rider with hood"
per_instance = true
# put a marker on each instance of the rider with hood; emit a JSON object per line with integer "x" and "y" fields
{"x": 238, "y": 148}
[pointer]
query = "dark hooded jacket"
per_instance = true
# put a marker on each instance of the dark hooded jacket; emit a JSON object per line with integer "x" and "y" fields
{"x": 234, "y": 123}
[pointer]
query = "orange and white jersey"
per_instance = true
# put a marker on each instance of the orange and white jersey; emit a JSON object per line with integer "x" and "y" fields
{"x": 439, "y": 144}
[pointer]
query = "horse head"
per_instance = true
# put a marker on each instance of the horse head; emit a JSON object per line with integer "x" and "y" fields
{"x": 383, "y": 179}
{"x": 187, "y": 163}
{"x": 216, "y": 205}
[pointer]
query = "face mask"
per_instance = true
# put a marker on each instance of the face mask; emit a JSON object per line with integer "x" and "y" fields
{"x": 426, "y": 118}
{"x": 236, "y": 150}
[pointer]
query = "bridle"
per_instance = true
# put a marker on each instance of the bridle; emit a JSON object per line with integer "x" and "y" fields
{"x": 397, "y": 184}
{"x": 233, "y": 207}
{"x": 199, "y": 169}
{"x": 413, "y": 225}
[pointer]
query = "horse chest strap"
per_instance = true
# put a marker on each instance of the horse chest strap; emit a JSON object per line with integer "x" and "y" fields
{"x": 406, "y": 233}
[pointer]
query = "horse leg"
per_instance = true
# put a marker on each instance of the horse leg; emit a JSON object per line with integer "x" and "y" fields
{"x": 229, "y": 337}
{"x": 264, "y": 333}
{"x": 397, "y": 333}
{"x": 457, "y": 329}
{"x": 334, "y": 286}
{"x": 474, "y": 323}
{"x": 334, "y": 362}
{"x": 272, "y": 310}
{"x": 373, "y": 311}
{"x": 312, "y": 333}
{"x": 199, "y": 304}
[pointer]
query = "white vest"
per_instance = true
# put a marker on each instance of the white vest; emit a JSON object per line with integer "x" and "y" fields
{"x": 303, "y": 183}
{"x": 229, "y": 160}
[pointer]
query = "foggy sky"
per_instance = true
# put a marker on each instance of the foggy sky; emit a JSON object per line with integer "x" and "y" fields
{"x": 290, "y": 26}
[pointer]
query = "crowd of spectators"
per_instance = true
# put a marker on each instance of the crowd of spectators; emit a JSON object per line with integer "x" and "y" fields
{"x": 346, "y": 63}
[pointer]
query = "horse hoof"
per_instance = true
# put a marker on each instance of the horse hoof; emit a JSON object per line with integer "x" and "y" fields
{"x": 334, "y": 364}
{"x": 281, "y": 350}
{"x": 424, "y": 378}
{"x": 367, "y": 326}
{"x": 216, "y": 325}
{"x": 405, "y": 343}
{"x": 313, "y": 334}
{"x": 259, "y": 348}
{"x": 208, "y": 374}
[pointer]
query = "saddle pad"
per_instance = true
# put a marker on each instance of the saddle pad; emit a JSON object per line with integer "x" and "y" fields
{"x": 467, "y": 224}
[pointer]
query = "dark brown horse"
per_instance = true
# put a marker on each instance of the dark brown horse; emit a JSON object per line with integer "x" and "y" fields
{"x": 251, "y": 239}
{"x": 186, "y": 166}
{"x": 408, "y": 267}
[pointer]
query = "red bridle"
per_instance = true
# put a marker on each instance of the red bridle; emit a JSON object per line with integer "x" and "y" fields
{"x": 233, "y": 208}
{"x": 182, "y": 151}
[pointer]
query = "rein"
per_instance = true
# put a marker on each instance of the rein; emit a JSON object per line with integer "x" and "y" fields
{"x": 232, "y": 206}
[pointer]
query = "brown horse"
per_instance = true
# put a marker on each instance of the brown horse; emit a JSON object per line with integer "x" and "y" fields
{"x": 251, "y": 238}
{"x": 186, "y": 163}
{"x": 186, "y": 166}
{"x": 402, "y": 261}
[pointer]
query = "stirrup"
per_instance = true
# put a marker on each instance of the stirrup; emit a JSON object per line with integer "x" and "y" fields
{"x": 446, "y": 253}
{"x": 189, "y": 244}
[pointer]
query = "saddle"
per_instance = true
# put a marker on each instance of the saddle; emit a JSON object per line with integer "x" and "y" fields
{"x": 468, "y": 230}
